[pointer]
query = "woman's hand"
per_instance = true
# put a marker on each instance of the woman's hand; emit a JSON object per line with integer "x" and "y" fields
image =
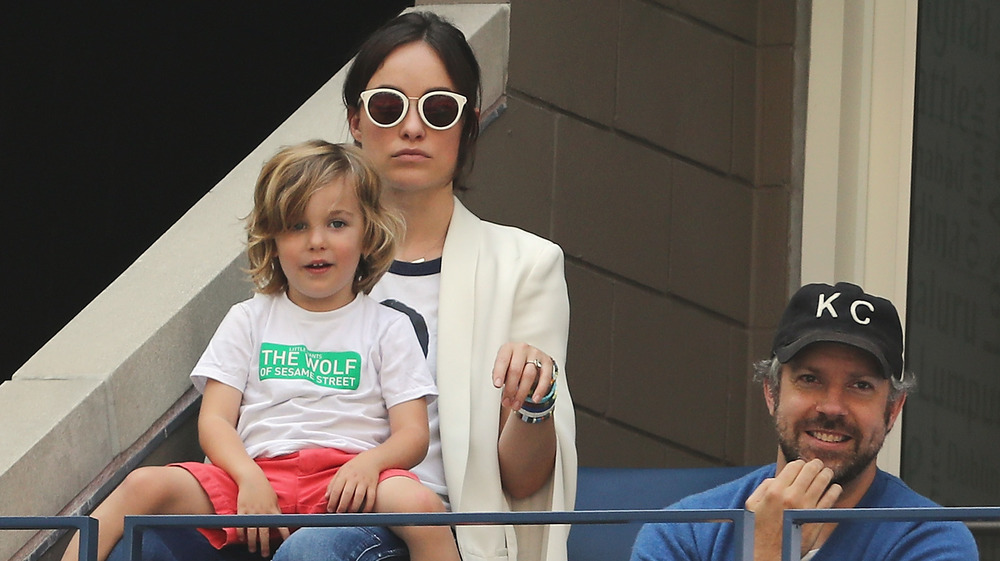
{"x": 256, "y": 496}
{"x": 527, "y": 451}
{"x": 517, "y": 372}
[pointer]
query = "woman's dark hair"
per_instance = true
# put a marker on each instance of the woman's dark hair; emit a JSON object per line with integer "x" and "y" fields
{"x": 450, "y": 45}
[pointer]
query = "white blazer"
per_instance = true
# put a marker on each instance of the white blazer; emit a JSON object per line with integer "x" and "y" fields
{"x": 499, "y": 284}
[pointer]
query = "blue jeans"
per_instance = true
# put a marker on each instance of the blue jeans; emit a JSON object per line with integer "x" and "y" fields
{"x": 307, "y": 544}
{"x": 182, "y": 544}
{"x": 374, "y": 543}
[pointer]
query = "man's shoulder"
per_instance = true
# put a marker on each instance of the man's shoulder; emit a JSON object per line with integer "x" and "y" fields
{"x": 697, "y": 541}
{"x": 943, "y": 540}
{"x": 730, "y": 495}
{"x": 889, "y": 491}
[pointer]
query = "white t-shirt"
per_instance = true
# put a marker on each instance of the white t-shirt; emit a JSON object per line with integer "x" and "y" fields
{"x": 315, "y": 379}
{"x": 414, "y": 288}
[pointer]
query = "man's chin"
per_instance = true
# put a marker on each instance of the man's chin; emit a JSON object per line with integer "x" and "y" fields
{"x": 837, "y": 462}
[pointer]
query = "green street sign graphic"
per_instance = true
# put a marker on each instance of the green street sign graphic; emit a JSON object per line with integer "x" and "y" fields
{"x": 338, "y": 370}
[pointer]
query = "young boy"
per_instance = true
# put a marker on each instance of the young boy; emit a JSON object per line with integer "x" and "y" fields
{"x": 314, "y": 394}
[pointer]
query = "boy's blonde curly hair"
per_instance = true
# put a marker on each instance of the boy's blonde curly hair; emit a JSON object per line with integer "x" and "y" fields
{"x": 288, "y": 181}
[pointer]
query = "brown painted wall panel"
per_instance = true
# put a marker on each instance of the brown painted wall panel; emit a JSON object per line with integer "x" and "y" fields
{"x": 515, "y": 193}
{"x": 676, "y": 85}
{"x": 710, "y": 241}
{"x": 653, "y": 141}
{"x": 591, "y": 298}
{"x": 562, "y": 51}
{"x": 612, "y": 202}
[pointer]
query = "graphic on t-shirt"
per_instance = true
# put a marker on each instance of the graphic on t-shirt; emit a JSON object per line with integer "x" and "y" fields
{"x": 417, "y": 320}
{"x": 337, "y": 370}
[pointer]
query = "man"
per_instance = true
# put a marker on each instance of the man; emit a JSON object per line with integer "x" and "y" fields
{"x": 834, "y": 386}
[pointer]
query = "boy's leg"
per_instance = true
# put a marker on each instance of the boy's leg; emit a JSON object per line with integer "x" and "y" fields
{"x": 147, "y": 490}
{"x": 311, "y": 479}
{"x": 182, "y": 544}
{"x": 402, "y": 494}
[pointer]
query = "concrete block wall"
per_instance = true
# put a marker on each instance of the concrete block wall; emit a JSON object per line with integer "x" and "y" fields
{"x": 653, "y": 140}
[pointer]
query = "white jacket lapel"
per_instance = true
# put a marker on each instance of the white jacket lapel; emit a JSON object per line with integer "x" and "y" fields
{"x": 455, "y": 322}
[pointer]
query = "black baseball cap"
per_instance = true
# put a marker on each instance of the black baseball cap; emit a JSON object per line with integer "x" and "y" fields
{"x": 843, "y": 313}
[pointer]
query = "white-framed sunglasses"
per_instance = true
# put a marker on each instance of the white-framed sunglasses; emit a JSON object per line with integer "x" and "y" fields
{"x": 439, "y": 110}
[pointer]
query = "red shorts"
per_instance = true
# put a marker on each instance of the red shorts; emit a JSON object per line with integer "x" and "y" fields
{"x": 299, "y": 479}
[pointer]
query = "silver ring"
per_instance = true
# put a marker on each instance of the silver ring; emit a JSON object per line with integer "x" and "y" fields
{"x": 536, "y": 362}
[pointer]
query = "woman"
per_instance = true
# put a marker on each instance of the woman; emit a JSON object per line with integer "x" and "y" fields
{"x": 495, "y": 285}
{"x": 489, "y": 303}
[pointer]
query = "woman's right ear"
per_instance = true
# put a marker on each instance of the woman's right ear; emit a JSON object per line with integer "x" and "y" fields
{"x": 354, "y": 122}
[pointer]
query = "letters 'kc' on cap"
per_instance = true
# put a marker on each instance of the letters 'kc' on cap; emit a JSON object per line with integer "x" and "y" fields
{"x": 843, "y": 313}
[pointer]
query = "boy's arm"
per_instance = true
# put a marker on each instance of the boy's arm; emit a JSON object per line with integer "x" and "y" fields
{"x": 352, "y": 489}
{"x": 220, "y": 407}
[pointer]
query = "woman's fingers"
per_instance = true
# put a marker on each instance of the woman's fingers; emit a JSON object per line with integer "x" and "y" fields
{"x": 522, "y": 371}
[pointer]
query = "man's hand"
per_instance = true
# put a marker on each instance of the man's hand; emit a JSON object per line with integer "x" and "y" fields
{"x": 800, "y": 484}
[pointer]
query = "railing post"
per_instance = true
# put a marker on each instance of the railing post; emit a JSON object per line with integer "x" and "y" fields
{"x": 743, "y": 536}
{"x": 86, "y": 525}
{"x": 132, "y": 538}
{"x": 791, "y": 538}
{"x": 88, "y": 539}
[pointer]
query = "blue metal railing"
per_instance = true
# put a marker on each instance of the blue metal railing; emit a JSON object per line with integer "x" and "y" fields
{"x": 134, "y": 525}
{"x": 85, "y": 524}
{"x": 743, "y": 520}
{"x": 791, "y": 538}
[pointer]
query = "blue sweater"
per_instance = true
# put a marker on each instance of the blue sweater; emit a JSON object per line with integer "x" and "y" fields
{"x": 850, "y": 541}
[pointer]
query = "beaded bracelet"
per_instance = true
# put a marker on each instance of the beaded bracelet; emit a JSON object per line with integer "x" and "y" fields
{"x": 532, "y": 420}
{"x": 537, "y": 416}
{"x": 535, "y": 412}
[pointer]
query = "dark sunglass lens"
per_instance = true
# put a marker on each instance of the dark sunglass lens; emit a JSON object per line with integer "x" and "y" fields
{"x": 384, "y": 108}
{"x": 440, "y": 110}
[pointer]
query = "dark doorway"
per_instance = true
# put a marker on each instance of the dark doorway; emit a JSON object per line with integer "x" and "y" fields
{"x": 116, "y": 117}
